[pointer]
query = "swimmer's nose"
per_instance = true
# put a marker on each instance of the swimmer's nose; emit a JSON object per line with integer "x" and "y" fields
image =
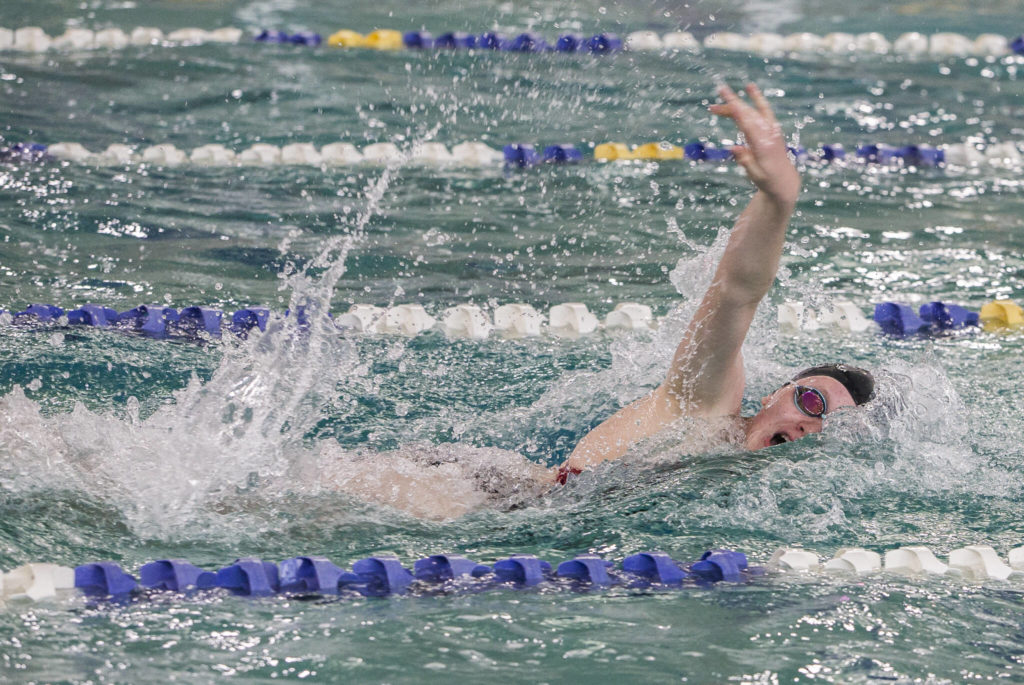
{"x": 809, "y": 426}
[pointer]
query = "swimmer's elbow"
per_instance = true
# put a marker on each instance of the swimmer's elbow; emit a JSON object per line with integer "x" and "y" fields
{"x": 740, "y": 290}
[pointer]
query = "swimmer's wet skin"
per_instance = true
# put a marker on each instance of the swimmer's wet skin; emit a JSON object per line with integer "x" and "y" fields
{"x": 706, "y": 378}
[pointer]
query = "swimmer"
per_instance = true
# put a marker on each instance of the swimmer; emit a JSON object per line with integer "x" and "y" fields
{"x": 705, "y": 380}
{"x": 706, "y": 377}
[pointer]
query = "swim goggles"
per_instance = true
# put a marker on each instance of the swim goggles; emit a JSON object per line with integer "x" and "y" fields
{"x": 810, "y": 401}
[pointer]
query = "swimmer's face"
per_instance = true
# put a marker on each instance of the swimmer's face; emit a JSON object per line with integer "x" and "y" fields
{"x": 780, "y": 420}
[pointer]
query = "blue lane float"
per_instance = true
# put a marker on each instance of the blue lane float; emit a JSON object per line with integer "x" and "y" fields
{"x": 897, "y": 319}
{"x": 521, "y": 155}
{"x": 724, "y": 565}
{"x": 23, "y": 152}
{"x": 901, "y": 320}
{"x": 912, "y": 155}
{"x": 655, "y": 567}
{"x": 315, "y": 575}
{"x": 700, "y": 152}
{"x": 249, "y": 577}
{"x": 92, "y": 315}
{"x": 528, "y": 42}
{"x": 39, "y": 312}
{"x": 376, "y": 577}
{"x": 175, "y": 575}
{"x": 946, "y": 316}
{"x": 104, "y": 578}
{"x": 457, "y": 40}
{"x": 586, "y": 569}
{"x": 195, "y": 319}
{"x": 562, "y": 154}
{"x": 419, "y": 40}
{"x": 152, "y": 320}
{"x": 522, "y": 569}
{"x": 443, "y": 567}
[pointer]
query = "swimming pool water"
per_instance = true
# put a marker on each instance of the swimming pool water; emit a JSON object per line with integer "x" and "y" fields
{"x": 125, "y": 448}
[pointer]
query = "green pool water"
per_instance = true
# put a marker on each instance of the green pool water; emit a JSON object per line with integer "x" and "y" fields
{"x": 130, "y": 449}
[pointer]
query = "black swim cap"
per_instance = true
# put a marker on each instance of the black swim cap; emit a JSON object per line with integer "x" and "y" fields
{"x": 858, "y": 382}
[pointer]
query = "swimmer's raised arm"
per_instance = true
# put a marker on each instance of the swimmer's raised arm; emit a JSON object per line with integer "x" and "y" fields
{"x": 706, "y": 377}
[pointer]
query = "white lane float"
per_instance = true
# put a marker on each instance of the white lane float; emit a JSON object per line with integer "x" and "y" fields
{"x": 518, "y": 321}
{"x": 340, "y": 154}
{"x": 34, "y": 582}
{"x": 146, "y": 35}
{"x": 631, "y": 316}
{"x": 164, "y": 155}
{"x": 300, "y": 153}
{"x": 854, "y": 560}
{"x": 965, "y": 155}
{"x": 115, "y": 155}
{"x": 911, "y": 43}
{"x": 75, "y": 39}
{"x": 260, "y": 154}
{"x": 31, "y": 39}
{"x": 978, "y": 562}
{"x": 212, "y": 155}
{"x": 644, "y": 41}
{"x": 72, "y": 152}
{"x": 873, "y": 43}
{"x": 406, "y": 319}
{"x": 475, "y": 153}
{"x": 227, "y": 34}
{"x": 950, "y": 44}
{"x": 466, "y": 321}
{"x": 434, "y": 154}
{"x": 112, "y": 39}
{"x": 572, "y": 319}
{"x": 991, "y": 45}
{"x": 362, "y": 318}
{"x": 188, "y": 36}
{"x": 914, "y": 559}
{"x": 795, "y": 317}
{"x": 382, "y": 153}
{"x": 1005, "y": 155}
{"x": 680, "y": 40}
{"x": 802, "y": 42}
{"x": 794, "y": 559}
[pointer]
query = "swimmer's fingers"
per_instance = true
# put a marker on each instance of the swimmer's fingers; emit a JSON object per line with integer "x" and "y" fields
{"x": 761, "y": 103}
{"x": 734, "y": 108}
{"x": 754, "y": 126}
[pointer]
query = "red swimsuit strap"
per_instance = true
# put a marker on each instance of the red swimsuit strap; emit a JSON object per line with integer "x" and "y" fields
{"x": 564, "y": 472}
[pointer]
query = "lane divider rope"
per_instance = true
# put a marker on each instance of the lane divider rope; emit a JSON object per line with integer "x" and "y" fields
{"x": 516, "y": 320}
{"x": 1006, "y": 154}
{"x": 942, "y": 44}
{"x": 445, "y": 574}
{"x": 461, "y": 321}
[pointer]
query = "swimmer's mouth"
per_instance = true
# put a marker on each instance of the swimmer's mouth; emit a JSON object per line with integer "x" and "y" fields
{"x": 778, "y": 439}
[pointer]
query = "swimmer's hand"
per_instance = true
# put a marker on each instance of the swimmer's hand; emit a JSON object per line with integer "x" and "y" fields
{"x": 764, "y": 156}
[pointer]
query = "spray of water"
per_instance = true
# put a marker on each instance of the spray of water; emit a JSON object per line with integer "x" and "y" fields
{"x": 238, "y": 431}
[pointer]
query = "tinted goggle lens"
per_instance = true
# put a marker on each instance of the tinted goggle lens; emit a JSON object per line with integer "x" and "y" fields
{"x": 809, "y": 401}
